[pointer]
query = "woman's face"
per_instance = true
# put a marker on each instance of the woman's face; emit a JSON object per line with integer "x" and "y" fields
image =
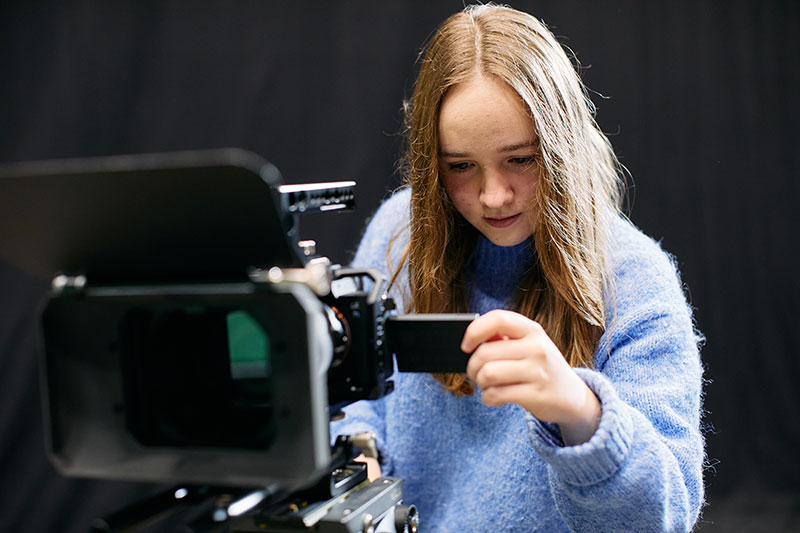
{"x": 487, "y": 158}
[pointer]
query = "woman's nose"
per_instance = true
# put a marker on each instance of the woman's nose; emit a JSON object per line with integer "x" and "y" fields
{"x": 496, "y": 191}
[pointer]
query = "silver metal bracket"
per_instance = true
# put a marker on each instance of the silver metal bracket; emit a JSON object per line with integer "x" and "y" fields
{"x": 316, "y": 275}
{"x": 367, "y": 443}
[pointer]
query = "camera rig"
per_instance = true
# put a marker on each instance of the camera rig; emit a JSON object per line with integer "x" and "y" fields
{"x": 190, "y": 338}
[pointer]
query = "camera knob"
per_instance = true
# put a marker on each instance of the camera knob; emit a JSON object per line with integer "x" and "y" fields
{"x": 406, "y": 519}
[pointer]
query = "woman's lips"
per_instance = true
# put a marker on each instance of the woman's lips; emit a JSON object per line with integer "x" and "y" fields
{"x": 501, "y": 222}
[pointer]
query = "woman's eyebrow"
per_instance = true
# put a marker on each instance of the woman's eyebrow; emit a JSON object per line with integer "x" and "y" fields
{"x": 508, "y": 148}
{"x": 452, "y": 154}
{"x": 517, "y": 146}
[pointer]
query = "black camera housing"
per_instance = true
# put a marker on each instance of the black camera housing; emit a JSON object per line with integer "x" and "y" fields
{"x": 158, "y": 262}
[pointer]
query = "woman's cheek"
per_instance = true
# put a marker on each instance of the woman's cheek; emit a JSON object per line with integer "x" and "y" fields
{"x": 460, "y": 194}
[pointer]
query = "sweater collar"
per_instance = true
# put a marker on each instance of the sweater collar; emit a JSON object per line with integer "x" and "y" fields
{"x": 498, "y": 269}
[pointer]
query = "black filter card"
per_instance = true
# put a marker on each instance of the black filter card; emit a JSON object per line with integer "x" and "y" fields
{"x": 429, "y": 343}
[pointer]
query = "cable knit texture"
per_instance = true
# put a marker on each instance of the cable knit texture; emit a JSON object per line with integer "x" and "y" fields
{"x": 470, "y": 467}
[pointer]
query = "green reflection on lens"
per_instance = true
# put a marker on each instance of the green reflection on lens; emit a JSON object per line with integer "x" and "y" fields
{"x": 248, "y": 347}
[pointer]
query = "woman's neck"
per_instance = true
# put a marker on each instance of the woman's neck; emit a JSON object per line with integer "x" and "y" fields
{"x": 494, "y": 273}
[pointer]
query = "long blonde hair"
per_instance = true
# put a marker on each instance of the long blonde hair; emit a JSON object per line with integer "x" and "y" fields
{"x": 579, "y": 180}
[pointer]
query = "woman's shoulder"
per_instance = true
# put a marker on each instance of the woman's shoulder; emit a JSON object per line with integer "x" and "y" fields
{"x": 645, "y": 277}
{"x": 633, "y": 253}
{"x": 388, "y": 227}
{"x": 395, "y": 209}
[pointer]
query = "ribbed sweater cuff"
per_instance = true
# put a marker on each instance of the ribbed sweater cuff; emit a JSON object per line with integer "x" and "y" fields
{"x": 602, "y": 455}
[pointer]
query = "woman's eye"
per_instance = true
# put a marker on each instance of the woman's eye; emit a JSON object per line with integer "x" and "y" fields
{"x": 458, "y": 167}
{"x": 522, "y": 160}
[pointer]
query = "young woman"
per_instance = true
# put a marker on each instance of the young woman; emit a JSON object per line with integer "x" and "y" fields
{"x": 580, "y": 408}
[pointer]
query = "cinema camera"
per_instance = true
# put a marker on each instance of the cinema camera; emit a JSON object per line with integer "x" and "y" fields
{"x": 189, "y": 338}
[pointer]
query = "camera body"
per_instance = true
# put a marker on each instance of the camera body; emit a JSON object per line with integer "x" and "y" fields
{"x": 189, "y": 336}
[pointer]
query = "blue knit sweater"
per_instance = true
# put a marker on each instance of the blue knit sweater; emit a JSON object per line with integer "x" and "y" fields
{"x": 470, "y": 467}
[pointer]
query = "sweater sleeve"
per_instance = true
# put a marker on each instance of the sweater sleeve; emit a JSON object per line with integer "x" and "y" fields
{"x": 642, "y": 469}
{"x": 381, "y": 247}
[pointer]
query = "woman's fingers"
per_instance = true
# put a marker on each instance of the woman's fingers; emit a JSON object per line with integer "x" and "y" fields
{"x": 506, "y": 350}
{"x": 494, "y": 324}
{"x": 508, "y": 372}
{"x": 518, "y": 393}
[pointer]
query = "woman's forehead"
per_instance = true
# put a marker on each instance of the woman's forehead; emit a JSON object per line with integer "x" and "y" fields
{"x": 484, "y": 112}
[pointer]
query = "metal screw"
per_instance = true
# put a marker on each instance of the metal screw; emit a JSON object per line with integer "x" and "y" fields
{"x": 309, "y": 247}
{"x": 366, "y": 524}
{"x": 275, "y": 274}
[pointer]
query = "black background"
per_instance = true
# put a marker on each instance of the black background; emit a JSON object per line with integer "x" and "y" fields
{"x": 698, "y": 97}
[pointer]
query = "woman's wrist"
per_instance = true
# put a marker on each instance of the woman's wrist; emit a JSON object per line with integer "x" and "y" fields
{"x": 586, "y": 421}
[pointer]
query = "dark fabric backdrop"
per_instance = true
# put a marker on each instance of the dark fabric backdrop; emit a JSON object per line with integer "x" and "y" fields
{"x": 698, "y": 97}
